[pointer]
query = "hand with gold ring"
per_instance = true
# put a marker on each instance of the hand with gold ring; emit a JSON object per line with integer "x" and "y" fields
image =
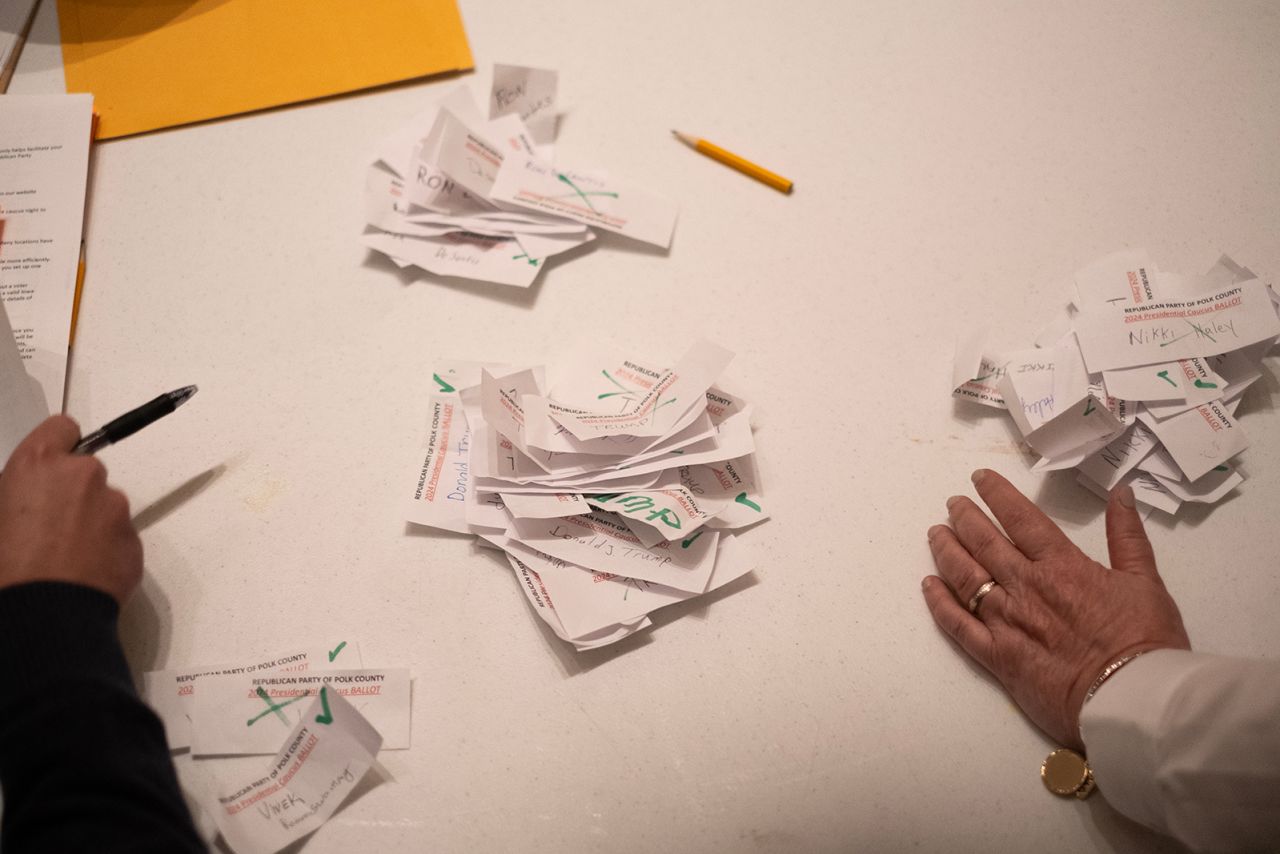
{"x": 1041, "y": 615}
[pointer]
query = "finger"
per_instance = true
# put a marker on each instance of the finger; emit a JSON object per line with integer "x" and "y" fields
{"x": 1034, "y": 533}
{"x": 56, "y": 434}
{"x": 982, "y": 539}
{"x": 961, "y": 626}
{"x": 1126, "y": 537}
{"x": 957, "y": 567}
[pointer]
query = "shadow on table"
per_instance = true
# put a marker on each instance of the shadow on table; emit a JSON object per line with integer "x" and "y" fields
{"x": 146, "y": 621}
{"x": 145, "y": 626}
{"x": 1111, "y": 831}
{"x": 176, "y": 497}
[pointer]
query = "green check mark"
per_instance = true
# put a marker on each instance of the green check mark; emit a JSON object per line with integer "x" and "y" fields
{"x": 444, "y": 386}
{"x": 326, "y": 717}
{"x": 334, "y": 652}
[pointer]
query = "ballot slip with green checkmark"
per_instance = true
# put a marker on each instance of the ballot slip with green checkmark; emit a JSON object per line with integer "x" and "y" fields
{"x": 462, "y": 194}
{"x": 325, "y": 755}
{"x": 614, "y": 482}
{"x": 171, "y": 693}
{"x": 592, "y": 198}
{"x": 248, "y": 713}
{"x": 1139, "y": 382}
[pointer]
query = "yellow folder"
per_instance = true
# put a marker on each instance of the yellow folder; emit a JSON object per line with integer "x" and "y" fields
{"x": 159, "y": 63}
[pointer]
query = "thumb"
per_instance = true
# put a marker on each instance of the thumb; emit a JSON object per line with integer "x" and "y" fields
{"x": 1126, "y": 537}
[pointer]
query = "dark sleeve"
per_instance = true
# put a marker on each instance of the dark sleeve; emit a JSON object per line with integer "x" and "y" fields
{"x": 83, "y": 762}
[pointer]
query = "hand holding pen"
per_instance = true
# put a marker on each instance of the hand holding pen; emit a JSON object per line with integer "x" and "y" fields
{"x": 133, "y": 421}
{"x": 59, "y": 518}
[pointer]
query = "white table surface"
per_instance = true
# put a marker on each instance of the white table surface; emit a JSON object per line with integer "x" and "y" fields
{"x": 954, "y": 162}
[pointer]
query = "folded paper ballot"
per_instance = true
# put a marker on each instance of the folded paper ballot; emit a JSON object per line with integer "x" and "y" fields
{"x": 457, "y": 194}
{"x": 171, "y": 693}
{"x": 1138, "y": 384}
{"x": 322, "y": 760}
{"x": 330, "y": 713}
{"x": 613, "y": 484}
{"x": 249, "y": 713}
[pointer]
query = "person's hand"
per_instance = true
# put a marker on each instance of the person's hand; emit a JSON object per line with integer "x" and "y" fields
{"x": 1057, "y": 617}
{"x": 59, "y": 521}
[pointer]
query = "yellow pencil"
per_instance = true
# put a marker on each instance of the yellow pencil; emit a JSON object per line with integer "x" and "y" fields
{"x": 733, "y": 161}
{"x": 75, "y": 305}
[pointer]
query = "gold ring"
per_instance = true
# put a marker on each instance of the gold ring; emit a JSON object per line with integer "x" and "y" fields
{"x": 977, "y": 597}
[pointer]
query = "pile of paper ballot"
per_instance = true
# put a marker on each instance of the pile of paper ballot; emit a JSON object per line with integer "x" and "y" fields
{"x": 317, "y": 709}
{"x": 1139, "y": 383}
{"x": 612, "y": 483}
{"x": 458, "y": 194}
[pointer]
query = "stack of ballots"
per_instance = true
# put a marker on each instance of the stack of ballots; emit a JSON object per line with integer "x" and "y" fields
{"x": 613, "y": 484}
{"x": 458, "y": 194}
{"x": 1139, "y": 383}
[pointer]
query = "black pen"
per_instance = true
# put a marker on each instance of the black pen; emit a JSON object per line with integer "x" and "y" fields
{"x": 133, "y": 421}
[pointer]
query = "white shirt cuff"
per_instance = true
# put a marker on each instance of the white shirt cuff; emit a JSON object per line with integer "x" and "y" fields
{"x": 1121, "y": 726}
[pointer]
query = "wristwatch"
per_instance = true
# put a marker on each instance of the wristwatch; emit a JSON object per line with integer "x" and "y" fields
{"x": 1066, "y": 773}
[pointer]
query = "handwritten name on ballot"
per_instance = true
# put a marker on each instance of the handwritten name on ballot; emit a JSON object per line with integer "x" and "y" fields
{"x": 1206, "y": 325}
{"x": 323, "y": 759}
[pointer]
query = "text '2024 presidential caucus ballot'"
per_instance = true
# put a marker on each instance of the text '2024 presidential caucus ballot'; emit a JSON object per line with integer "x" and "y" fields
{"x": 1139, "y": 381}
{"x": 323, "y": 759}
{"x": 612, "y": 483}
{"x": 460, "y": 193}
{"x": 317, "y": 707}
